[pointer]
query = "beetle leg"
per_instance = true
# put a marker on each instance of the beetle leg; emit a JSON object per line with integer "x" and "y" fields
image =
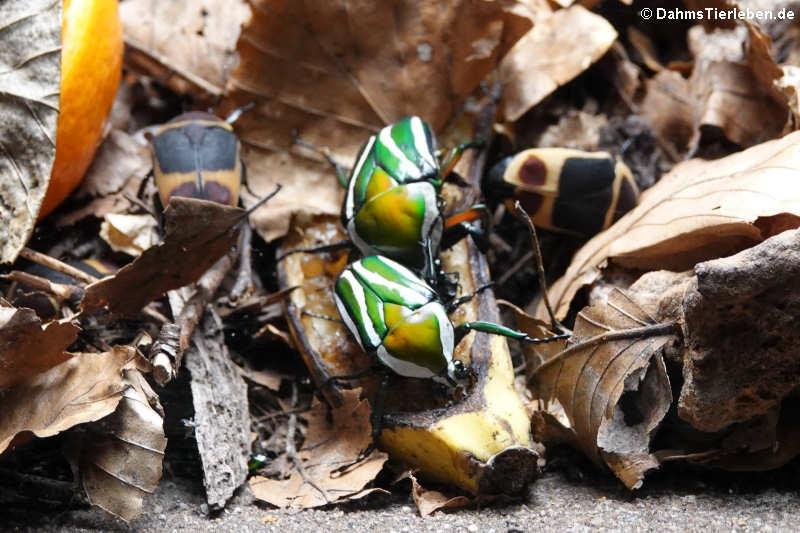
{"x": 334, "y": 246}
{"x": 261, "y": 201}
{"x": 351, "y": 377}
{"x": 323, "y": 317}
{"x": 462, "y": 224}
{"x": 453, "y": 304}
{"x": 340, "y": 173}
{"x": 376, "y": 419}
{"x": 454, "y": 155}
{"x": 496, "y": 329}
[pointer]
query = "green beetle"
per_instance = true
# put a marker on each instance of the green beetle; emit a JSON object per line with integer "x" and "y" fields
{"x": 397, "y": 317}
{"x": 392, "y": 204}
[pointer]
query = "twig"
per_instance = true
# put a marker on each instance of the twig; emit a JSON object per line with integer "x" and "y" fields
{"x": 243, "y": 286}
{"x": 514, "y": 268}
{"x": 55, "y": 264}
{"x": 62, "y": 291}
{"x": 644, "y": 331}
{"x": 167, "y": 351}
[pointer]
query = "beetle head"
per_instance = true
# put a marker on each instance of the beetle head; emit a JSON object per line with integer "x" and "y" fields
{"x": 458, "y": 374}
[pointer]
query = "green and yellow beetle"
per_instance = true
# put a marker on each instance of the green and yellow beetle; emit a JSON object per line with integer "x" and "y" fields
{"x": 397, "y": 317}
{"x": 565, "y": 190}
{"x": 392, "y": 204}
{"x": 197, "y": 155}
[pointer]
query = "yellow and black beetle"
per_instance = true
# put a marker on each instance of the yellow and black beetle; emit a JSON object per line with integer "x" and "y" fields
{"x": 565, "y": 190}
{"x": 198, "y": 155}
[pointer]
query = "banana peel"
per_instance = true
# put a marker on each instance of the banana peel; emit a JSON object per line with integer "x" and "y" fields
{"x": 480, "y": 442}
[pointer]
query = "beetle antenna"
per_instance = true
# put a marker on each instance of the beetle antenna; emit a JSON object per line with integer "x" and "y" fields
{"x": 557, "y": 326}
{"x": 236, "y": 113}
{"x": 262, "y": 201}
{"x": 324, "y": 152}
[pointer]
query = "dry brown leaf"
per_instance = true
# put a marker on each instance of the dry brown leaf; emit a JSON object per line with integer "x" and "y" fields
{"x": 198, "y": 233}
{"x": 324, "y": 70}
{"x": 669, "y": 107}
{"x": 331, "y": 441}
{"x": 430, "y": 501}
{"x": 119, "y": 167}
{"x": 575, "y": 129}
{"x": 732, "y": 84}
{"x": 700, "y": 210}
{"x": 647, "y": 50}
{"x": 30, "y": 76}
{"x": 27, "y": 347}
{"x": 548, "y": 57}
{"x": 130, "y": 234}
{"x": 188, "y": 45}
{"x": 119, "y": 159}
{"x": 85, "y": 388}
{"x": 122, "y": 454}
{"x": 581, "y": 387}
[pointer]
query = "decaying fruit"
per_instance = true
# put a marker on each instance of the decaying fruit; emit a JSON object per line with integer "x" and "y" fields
{"x": 91, "y": 68}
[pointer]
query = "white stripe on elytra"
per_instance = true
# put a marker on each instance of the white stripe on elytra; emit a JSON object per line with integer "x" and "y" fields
{"x": 419, "y": 295}
{"x": 363, "y": 246}
{"x": 385, "y": 136}
{"x": 421, "y": 141}
{"x": 348, "y": 206}
{"x": 446, "y": 337}
{"x": 432, "y": 215}
{"x": 358, "y": 292}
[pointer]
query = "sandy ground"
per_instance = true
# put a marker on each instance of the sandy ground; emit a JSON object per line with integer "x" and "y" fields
{"x": 695, "y": 501}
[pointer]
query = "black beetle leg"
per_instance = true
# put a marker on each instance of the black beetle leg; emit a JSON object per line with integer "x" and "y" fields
{"x": 453, "y": 304}
{"x": 334, "y": 246}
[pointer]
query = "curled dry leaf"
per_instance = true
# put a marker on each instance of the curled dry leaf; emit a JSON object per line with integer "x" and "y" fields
{"x": 615, "y": 350}
{"x": 332, "y": 439}
{"x": 334, "y": 72}
{"x": 188, "y": 45}
{"x": 700, "y": 210}
{"x": 30, "y": 76}
{"x": 732, "y": 83}
{"x": 430, "y": 501}
{"x": 82, "y": 389}
{"x": 122, "y": 454}
{"x": 548, "y": 57}
{"x": 119, "y": 167}
{"x": 130, "y": 234}
{"x": 669, "y": 107}
{"x": 198, "y": 233}
{"x": 27, "y": 347}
